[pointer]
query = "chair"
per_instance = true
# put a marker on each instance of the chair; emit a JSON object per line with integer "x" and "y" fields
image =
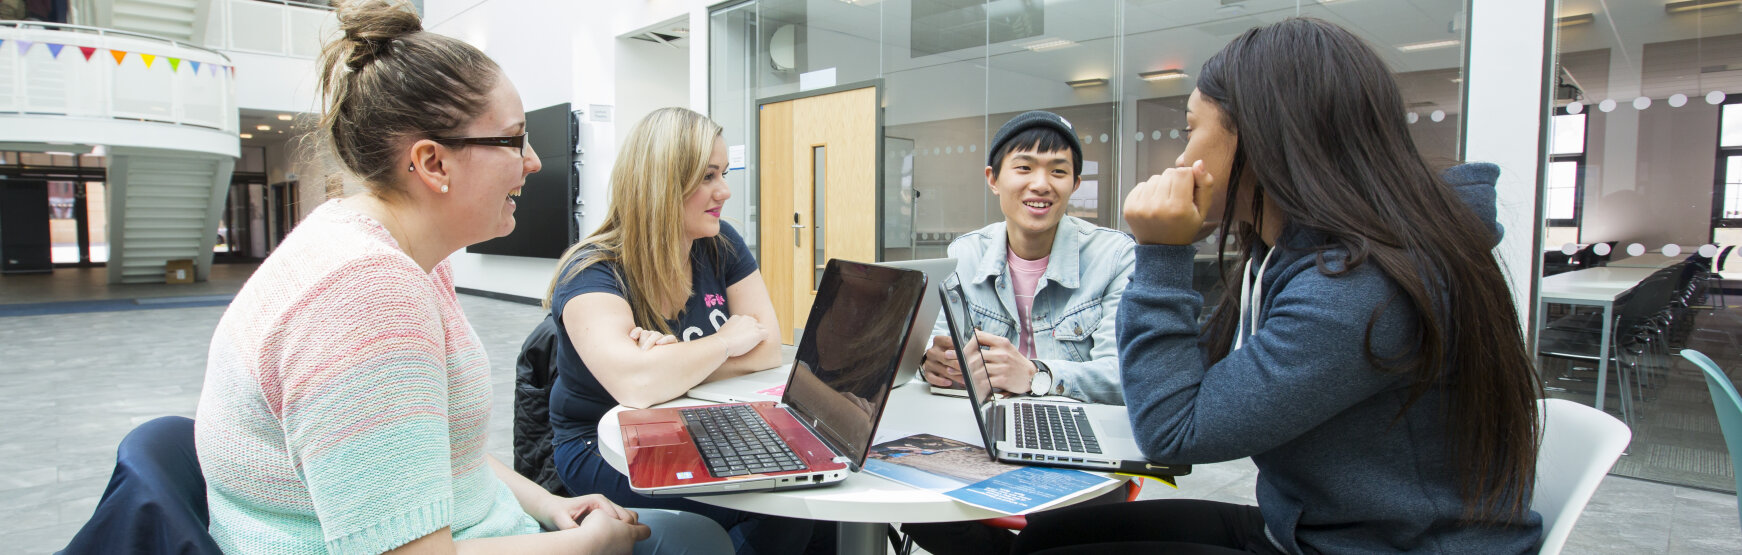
{"x": 534, "y": 374}
{"x": 156, "y": 499}
{"x": 1729, "y": 407}
{"x": 1716, "y": 274}
{"x": 1579, "y": 444}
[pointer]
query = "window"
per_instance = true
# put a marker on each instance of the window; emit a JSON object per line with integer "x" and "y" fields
{"x": 1728, "y": 192}
{"x": 1566, "y": 169}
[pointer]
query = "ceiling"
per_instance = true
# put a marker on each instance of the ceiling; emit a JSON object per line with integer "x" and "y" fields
{"x": 281, "y": 130}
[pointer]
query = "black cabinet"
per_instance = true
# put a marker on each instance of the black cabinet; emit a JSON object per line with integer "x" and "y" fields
{"x": 24, "y": 238}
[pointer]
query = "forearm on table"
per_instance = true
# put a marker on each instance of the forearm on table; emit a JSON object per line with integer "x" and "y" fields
{"x": 640, "y": 379}
{"x": 763, "y": 357}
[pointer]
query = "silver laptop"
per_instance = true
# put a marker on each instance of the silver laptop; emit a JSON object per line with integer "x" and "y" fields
{"x": 1043, "y": 433}
{"x": 766, "y": 385}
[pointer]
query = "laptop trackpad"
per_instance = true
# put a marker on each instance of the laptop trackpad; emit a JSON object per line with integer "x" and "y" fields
{"x": 655, "y": 434}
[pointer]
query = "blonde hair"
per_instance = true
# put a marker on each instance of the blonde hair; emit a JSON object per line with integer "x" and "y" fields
{"x": 661, "y": 163}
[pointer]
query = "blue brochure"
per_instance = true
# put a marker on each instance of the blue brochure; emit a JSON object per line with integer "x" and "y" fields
{"x": 965, "y": 472}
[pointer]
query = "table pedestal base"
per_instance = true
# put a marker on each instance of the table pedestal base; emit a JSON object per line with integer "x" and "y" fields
{"x": 862, "y": 538}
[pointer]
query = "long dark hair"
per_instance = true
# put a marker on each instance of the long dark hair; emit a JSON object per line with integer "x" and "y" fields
{"x": 1321, "y": 123}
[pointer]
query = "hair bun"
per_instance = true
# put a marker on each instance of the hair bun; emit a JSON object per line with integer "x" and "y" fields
{"x": 374, "y": 27}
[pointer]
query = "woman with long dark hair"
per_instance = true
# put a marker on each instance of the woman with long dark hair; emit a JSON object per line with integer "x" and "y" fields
{"x": 1369, "y": 359}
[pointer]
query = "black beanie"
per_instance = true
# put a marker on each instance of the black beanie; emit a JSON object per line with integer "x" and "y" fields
{"x": 1037, "y": 118}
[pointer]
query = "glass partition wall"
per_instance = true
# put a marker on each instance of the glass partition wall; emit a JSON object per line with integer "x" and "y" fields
{"x": 1640, "y": 201}
{"x": 953, "y": 71}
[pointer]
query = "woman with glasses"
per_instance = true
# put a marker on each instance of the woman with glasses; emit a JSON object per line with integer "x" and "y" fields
{"x": 663, "y": 296}
{"x": 1369, "y": 361}
{"x": 347, "y": 399}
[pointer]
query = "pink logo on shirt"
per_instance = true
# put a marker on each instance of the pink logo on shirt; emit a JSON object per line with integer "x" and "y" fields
{"x": 714, "y": 300}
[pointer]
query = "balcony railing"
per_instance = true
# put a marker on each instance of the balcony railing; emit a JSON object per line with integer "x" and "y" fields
{"x": 89, "y": 72}
{"x": 280, "y": 27}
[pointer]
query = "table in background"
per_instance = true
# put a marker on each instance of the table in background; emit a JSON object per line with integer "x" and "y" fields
{"x": 1597, "y": 287}
{"x": 863, "y": 504}
{"x": 1648, "y": 260}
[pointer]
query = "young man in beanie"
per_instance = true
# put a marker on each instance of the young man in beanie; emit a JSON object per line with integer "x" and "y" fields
{"x": 1043, "y": 286}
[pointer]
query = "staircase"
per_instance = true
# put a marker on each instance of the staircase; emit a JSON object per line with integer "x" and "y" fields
{"x": 164, "y": 205}
{"x": 181, "y": 20}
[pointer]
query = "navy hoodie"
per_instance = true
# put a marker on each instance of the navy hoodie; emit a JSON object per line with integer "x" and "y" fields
{"x": 1338, "y": 470}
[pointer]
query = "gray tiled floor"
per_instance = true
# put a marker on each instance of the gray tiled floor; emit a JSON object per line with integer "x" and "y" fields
{"x": 72, "y": 385}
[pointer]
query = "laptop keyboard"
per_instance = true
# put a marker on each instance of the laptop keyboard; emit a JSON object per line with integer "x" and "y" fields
{"x": 735, "y": 441}
{"x": 1054, "y": 427}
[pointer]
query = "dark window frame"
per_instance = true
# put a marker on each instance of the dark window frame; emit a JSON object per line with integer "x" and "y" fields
{"x": 1578, "y": 174}
{"x": 1718, "y": 178}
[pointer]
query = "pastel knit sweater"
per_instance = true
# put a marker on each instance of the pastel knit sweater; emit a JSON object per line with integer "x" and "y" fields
{"x": 346, "y": 402}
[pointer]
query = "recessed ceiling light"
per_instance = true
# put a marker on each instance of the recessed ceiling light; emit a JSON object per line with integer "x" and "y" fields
{"x": 1162, "y": 74}
{"x": 284, "y": 117}
{"x": 247, "y": 135}
{"x": 263, "y": 127}
{"x": 1049, "y": 44}
{"x": 1430, "y": 45}
{"x": 1080, "y": 83}
{"x": 1571, "y": 20}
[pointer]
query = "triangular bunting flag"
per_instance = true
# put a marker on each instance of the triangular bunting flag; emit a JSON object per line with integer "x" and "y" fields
{"x": 2, "y": 41}
{"x": 88, "y": 51}
{"x": 23, "y": 45}
{"x": 119, "y": 55}
{"x": 174, "y": 65}
{"x": 54, "y": 49}
{"x": 148, "y": 59}
{"x": 196, "y": 66}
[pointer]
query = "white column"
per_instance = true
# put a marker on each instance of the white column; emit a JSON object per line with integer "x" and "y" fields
{"x": 1506, "y": 124}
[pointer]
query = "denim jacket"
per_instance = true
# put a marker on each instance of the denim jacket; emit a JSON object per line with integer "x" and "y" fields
{"x": 1074, "y": 302}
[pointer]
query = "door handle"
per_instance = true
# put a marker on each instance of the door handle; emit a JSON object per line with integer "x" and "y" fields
{"x": 795, "y": 228}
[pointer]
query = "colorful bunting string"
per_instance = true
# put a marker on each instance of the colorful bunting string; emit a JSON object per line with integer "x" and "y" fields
{"x": 120, "y": 56}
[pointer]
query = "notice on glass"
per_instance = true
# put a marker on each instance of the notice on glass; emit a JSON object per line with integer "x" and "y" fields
{"x": 735, "y": 157}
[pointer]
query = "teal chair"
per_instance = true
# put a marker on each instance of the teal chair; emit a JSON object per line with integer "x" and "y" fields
{"x": 1729, "y": 406}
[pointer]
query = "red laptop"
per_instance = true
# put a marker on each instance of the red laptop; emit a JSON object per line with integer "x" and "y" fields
{"x": 822, "y": 427}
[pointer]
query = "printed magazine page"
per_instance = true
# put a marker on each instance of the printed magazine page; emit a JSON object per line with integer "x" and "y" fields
{"x": 966, "y": 473}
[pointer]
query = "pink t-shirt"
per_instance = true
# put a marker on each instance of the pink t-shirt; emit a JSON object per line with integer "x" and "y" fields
{"x": 1024, "y": 279}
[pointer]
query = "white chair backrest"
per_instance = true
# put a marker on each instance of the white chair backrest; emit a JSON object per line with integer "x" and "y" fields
{"x": 1579, "y": 444}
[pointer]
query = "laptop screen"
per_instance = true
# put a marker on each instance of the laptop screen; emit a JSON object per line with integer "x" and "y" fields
{"x": 955, "y": 305}
{"x": 852, "y": 342}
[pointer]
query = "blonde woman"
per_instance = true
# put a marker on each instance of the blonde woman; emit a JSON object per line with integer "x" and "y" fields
{"x": 662, "y": 297}
{"x": 346, "y": 396}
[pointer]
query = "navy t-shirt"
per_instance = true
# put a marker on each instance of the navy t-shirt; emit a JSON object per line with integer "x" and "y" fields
{"x": 577, "y": 399}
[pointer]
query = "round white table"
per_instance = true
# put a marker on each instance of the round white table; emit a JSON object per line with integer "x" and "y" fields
{"x": 863, "y": 504}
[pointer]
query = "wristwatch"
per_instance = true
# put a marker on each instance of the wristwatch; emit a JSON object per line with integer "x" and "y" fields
{"x": 1041, "y": 384}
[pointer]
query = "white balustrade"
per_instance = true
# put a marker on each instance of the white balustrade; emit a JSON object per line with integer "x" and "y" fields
{"x": 87, "y": 72}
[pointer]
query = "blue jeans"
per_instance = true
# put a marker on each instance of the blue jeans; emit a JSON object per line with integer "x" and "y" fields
{"x": 680, "y": 533}
{"x": 585, "y": 471}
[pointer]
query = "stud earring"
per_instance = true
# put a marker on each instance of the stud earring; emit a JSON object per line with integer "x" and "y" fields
{"x": 410, "y": 168}
{"x": 444, "y": 188}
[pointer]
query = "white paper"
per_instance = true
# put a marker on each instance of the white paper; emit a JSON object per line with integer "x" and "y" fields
{"x": 735, "y": 157}
{"x": 1091, "y": 167}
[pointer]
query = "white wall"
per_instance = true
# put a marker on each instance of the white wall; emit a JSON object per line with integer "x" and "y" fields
{"x": 1507, "y": 115}
{"x": 562, "y": 51}
{"x": 659, "y": 78}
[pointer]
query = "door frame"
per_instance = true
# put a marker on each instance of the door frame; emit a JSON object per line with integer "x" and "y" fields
{"x": 876, "y": 86}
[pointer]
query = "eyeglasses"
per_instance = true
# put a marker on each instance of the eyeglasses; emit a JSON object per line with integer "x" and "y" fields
{"x": 517, "y": 142}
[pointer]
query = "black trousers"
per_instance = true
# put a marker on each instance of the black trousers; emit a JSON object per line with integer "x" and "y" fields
{"x": 1175, "y": 526}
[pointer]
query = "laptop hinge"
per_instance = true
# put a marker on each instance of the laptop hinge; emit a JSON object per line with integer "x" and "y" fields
{"x": 839, "y": 456}
{"x": 998, "y": 419}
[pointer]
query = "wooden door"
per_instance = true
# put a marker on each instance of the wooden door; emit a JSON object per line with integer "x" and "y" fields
{"x": 818, "y": 181}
